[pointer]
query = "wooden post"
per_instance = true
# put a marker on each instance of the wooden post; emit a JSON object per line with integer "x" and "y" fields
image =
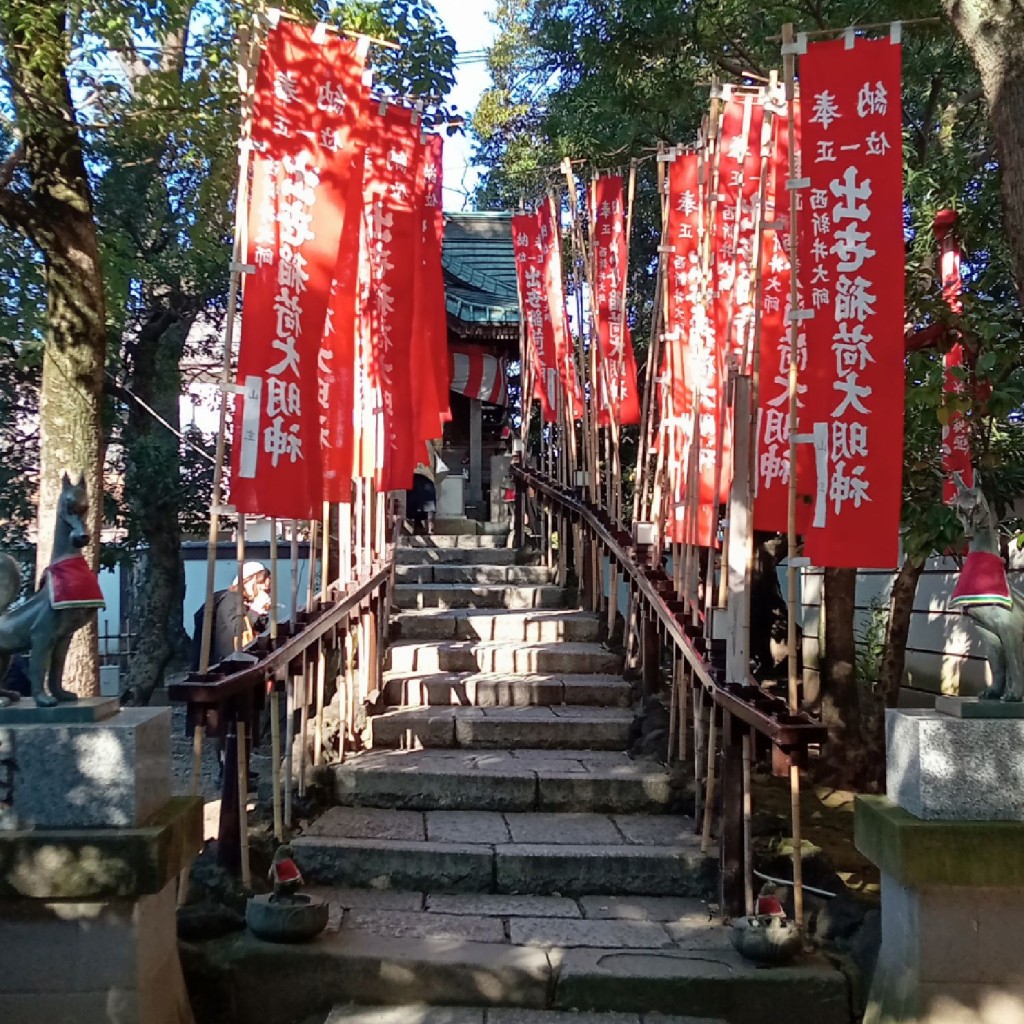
{"x": 228, "y": 840}
{"x": 275, "y": 760}
{"x": 651, "y": 654}
{"x": 243, "y": 803}
{"x": 709, "y": 789}
{"x": 731, "y": 838}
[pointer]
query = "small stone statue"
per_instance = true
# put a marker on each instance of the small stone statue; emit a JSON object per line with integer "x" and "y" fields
{"x": 985, "y": 595}
{"x": 286, "y": 915}
{"x": 767, "y": 937}
{"x": 284, "y": 873}
{"x": 65, "y": 601}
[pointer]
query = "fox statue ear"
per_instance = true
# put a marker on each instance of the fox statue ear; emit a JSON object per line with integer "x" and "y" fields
{"x": 81, "y": 480}
{"x": 65, "y": 480}
{"x": 959, "y": 481}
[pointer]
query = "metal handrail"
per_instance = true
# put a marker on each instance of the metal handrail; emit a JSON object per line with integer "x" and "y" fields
{"x": 767, "y": 715}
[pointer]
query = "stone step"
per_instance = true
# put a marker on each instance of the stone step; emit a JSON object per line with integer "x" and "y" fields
{"x": 502, "y": 656}
{"x": 497, "y": 689}
{"x": 567, "y": 727}
{"x": 468, "y": 595}
{"x": 456, "y": 540}
{"x": 432, "y": 958}
{"x": 418, "y": 1014}
{"x": 477, "y": 573}
{"x": 457, "y": 556}
{"x": 502, "y": 780}
{"x": 497, "y": 624}
{"x": 516, "y": 852}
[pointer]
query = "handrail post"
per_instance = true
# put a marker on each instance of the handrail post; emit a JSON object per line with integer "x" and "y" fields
{"x": 731, "y": 822}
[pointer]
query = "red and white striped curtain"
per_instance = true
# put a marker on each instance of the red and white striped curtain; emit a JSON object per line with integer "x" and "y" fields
{"x": 476, "y": 374}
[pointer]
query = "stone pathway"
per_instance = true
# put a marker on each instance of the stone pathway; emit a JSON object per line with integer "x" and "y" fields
{"x": 498, "y": 858}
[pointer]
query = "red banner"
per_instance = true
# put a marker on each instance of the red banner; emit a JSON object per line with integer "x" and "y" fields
{"x": 618, "y": 397}
{"x": 852, "y": 273}
{"x": 436, "y": 313}
{"x": 956, "y": 436}
{"x": 771, "y": 500}
{"x": 689, "y": 366}
{"x": 529, "y": 256}
{"x": 551, "y": 248}
{"x": 739, "y": 175}
{"x": 302, "y": 162}
{"x": 336, "y": 360}
{"x": 394, "y": 233}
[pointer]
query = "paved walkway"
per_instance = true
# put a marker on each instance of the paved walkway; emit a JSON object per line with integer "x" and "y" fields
{"x": 498, "y": 858}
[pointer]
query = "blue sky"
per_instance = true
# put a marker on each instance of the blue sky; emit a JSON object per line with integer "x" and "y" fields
{"x": 469, "y": 22}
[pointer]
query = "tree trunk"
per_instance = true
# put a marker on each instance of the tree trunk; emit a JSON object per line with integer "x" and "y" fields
{"x": 890, "y": 677}
{"x": 993, "y": 32}
{"x": 57, "y": 215}
{"x": 153, "y": 489}
{"x": 840, "y": 706}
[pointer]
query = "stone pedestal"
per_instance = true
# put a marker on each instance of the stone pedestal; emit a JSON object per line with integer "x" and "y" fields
{"x": 73, "y": 773}
{"x": 87, "y": 907}
{"x": 949, "y": 840}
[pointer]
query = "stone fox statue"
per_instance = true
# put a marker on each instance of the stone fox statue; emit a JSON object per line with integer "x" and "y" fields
{"x": 66, "y": 600}
{"x": 984, "y": 594}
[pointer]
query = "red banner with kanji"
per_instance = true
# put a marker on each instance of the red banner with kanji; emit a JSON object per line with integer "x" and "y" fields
{"x": 540, "y": 343}
{"x": 551, "y": 249}
{"x": 618, "y": 400}
{"x": 956, "y": 435}
{"x": 336, "y": 362}
{"x": 688, "y": 365}
{"x": 739, "y": 174}
{"x": 852, "y": 279}
{"x": 771, "y": 498}
{"x": 302, "y": 161}
{"x": 435, "y": 313}
{"x": 394, "y": 234}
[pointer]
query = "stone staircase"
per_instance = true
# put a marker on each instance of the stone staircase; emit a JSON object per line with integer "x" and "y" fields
{"x": 498, "y": 857}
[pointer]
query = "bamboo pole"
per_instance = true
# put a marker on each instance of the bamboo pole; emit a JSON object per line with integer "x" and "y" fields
{"x": 248, "y": 44}
{"x": 748, "y": 857}
{"x": 584, "y": 358}
{"x": 321, "y": 676}
{"x": 275, "y": 696}
{"x": 653, "y": 356}
{"x": 243, "y": 803}
{"x": 789, "y": 74}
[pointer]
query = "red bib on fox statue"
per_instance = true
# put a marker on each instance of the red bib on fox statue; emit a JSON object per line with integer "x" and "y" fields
{"x": 982, "y": 580}
{"x": 71, "y": 583}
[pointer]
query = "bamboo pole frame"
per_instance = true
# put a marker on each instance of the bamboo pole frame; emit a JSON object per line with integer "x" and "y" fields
{"x": 249, "y": 43}
{"x": 789, "y": 77}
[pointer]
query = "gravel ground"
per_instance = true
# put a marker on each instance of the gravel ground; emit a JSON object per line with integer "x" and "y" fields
{"x": 181, "y": 758}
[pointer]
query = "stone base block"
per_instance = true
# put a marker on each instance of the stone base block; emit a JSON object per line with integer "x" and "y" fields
{"x": 952, "y": 903}
{"x": 107, "y": 774}
{"x": 956, "y": 769}
{"x": 92, "y": 963}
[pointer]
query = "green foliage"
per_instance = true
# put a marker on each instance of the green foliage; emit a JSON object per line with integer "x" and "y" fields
{"x": 870, "y": 640}
{"x": 155, "y": 89}
{"x": 607, "y": 80}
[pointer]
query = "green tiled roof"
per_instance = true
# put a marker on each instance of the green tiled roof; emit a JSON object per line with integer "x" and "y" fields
{"x": 479, "y": 268}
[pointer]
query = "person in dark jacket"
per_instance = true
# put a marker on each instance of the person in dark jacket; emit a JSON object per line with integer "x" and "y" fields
{"x": 229, "y": 620}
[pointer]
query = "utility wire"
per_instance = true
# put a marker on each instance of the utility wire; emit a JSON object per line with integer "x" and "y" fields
{"x": 152, "y": 412}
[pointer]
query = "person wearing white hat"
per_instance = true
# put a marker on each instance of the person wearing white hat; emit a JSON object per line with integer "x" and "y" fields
{"x": 229, "y": 620}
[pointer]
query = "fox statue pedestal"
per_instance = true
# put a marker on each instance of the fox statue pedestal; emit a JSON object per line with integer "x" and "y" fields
{"x": 91, "y": 847}
{"x": 949, "y": 840}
